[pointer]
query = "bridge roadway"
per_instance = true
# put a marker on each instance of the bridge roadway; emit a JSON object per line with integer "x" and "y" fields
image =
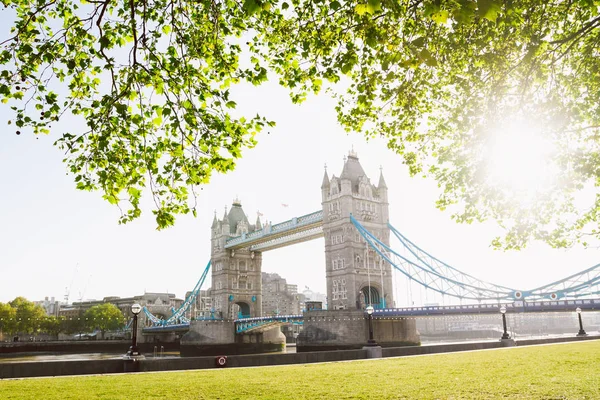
{"x": 514, "y": 307}
{"x": 246, "y": 325}
{"x": 296, "y": 230}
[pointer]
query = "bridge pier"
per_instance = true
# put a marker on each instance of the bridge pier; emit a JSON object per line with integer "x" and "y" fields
{"x": 343, "y": 330}
{"x": 218, "y": 337}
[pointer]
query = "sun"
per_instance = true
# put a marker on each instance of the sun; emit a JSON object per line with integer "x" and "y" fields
{"x": 519, "y": 160}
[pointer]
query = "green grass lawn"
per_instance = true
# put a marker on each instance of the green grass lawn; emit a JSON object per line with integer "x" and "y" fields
{"x": 564, "y": 371}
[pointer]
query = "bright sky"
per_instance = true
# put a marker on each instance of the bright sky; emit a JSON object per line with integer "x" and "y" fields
{"x": 53, "y": 237}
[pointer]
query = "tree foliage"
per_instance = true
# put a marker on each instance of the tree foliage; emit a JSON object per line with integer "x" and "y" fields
{"x": 28, "y": 316}
{"x": 52, "y": 325}
{"x": 7, "y": 318}
{"x": 104, "y": 317}
{"x": 438, "y": 78}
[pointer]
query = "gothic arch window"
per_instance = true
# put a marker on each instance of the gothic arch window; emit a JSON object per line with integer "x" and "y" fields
{"x": 358, "y": 262}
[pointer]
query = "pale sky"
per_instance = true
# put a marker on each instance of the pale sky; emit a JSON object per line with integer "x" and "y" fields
{"x": 54, "y": 237}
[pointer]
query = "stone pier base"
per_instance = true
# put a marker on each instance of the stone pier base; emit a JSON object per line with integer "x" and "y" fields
{"x": 210, "y": 338}
{"x": 343, "y": 330}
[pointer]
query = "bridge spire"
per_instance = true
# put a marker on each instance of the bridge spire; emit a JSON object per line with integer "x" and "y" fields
{"x": 325, "y": 184}
{"x": 215, "y": 221}
{"x": 258, "y": 225}
{"x": 381, "y": 184}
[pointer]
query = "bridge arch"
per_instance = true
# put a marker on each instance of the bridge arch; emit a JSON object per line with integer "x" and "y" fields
{"x": 240, "y": 309}
{"x": 371, "y": 296}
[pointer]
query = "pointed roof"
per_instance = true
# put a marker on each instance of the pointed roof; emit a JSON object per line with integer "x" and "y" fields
{"x": 236, "y": 215}
{"x": 325, "y": 183}
{"x": 215, "y": 222}
{"x": 381, "y": 184}
{"x": 258, "y": 225}
{"x": 352, "y": 169}
{"x": 225, "y": 216}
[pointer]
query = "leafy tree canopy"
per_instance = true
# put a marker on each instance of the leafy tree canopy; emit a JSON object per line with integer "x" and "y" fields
{"x": 104, "y": 317}
{"x": 7, "y": 318}
{"x": 28, "y": 316}
{"x": 443, "y": 80}
{"x": 52, "y": 325}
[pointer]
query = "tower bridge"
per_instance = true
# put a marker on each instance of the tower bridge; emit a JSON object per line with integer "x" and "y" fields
{"x": 354, "y": 220}
{"x": 237, "y": 246}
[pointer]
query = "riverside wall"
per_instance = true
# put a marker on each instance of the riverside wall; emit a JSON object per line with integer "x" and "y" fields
{"x": 343, "y": 330}
{"x": 80, "y": 346}
{"x": 61, "y": 368}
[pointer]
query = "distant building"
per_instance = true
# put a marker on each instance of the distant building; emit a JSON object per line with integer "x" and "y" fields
{"x": 154, "y": 301}
{"x": 203, "y": 306}
{"x": 279, "y": 298}
{"x": 50, "y": 305}
{"x": 309, "y": 295}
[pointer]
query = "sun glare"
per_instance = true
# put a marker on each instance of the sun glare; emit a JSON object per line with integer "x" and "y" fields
{"x": 518, "y": 160}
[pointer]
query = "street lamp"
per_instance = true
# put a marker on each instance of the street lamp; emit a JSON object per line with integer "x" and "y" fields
{"x": 505, "y": 335}
{"x": 581, "y": 331}
{"x": 371, "y": 341}
{"x": 133, "y": 350}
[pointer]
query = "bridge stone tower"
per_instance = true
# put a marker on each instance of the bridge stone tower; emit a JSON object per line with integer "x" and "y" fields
{"x": 236, "y": 274}
{"x": 356, "y": 275}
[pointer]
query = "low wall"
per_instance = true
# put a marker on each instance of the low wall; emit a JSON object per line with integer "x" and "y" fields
{"x": 530, "y": 342}
{"x": 439, "y": 348}
{"x": 83, "y": 346}
{"x": 58, "y": 368}
{"x": 252, "y": 360}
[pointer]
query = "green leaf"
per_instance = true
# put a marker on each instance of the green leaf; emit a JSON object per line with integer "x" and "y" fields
{"x": 335, "y": 5}
{"x": 440, "y": 17}
{"x": 362, "y": 9}
{"x": 374, "y": 6}
{"x": 252, "y": 6}
{"x": 489, "y": 9}
{"x": 419, "y": 42}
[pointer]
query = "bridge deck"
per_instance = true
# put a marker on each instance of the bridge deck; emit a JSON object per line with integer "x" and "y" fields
{"x": 295, "y": 230}
{"x": 515, "y": 307}
{"x": 257, "y": 323}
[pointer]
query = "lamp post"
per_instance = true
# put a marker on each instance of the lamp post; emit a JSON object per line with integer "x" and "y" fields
{"x": 505, "y": 335}
{"x": 581, "y": 331}
{"x": 371, "y": 341}
{"x": 133, "y": 350}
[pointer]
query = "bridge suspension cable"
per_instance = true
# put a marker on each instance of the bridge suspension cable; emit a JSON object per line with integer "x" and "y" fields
{"x": 429, "y": 277}
{"x": 434, "y": 274}
{"x": 424, "y": 259}
{"x": 178, "y": 315}
{"x": 582, "y": 284}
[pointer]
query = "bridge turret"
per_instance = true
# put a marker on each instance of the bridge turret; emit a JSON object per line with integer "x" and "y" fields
{"x": 236, "y": 274}
{"x": 352, "y": 271}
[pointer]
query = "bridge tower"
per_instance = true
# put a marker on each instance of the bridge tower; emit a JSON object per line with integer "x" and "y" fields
{"x": 236, "y": 274}
{"x": 356, "y": 275}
